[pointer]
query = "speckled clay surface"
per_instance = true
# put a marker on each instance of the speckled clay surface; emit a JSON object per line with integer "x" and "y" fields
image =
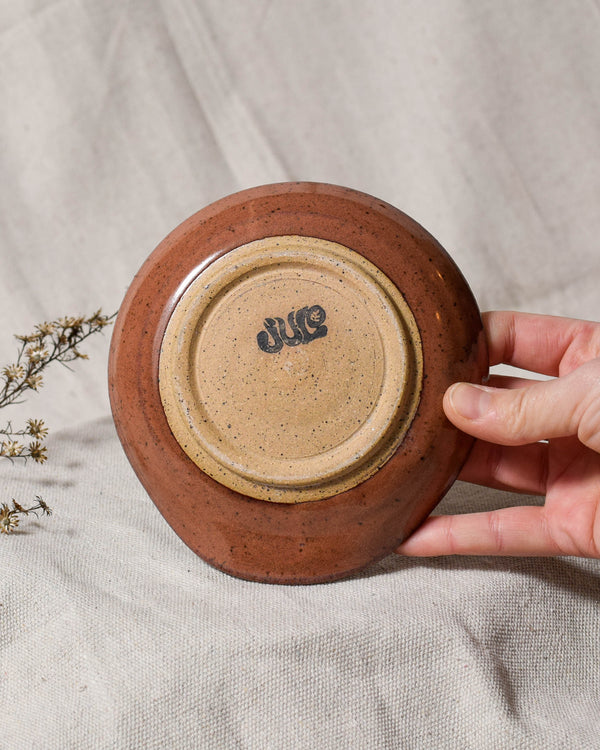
{"x": 294, "y": 408}
{"x": 307, "y": 540}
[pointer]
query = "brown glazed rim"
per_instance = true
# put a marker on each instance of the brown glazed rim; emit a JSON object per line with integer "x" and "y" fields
{"x": 335, "y": 537}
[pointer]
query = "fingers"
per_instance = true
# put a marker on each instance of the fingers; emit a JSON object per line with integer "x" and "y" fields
{"x": 516, "y": 469}
{"x": 540, "y": 343}
{"x": 568, "y": 523}
{"x": 561, "y": 407}
{"x": 512, "y": 418}
{"x": 508, "y": 381}
{"x": 518, "y": 531}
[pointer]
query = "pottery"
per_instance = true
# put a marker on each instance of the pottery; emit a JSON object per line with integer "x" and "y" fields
{"x": 276, "y": 377}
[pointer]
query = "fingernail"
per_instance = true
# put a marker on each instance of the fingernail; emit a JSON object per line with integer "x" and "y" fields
{"x": 470, "y": 401}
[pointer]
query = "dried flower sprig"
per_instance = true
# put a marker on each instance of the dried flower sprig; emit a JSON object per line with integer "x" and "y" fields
{"x": 57, "y": 341}
{"x": 9, "y": 517}
{"x": 14, "y": 448}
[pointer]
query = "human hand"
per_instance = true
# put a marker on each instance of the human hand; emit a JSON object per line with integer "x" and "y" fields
{"x": 534, "y": 437}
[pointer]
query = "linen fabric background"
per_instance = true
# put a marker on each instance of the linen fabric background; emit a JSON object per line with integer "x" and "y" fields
{"x": 120, "y": 118}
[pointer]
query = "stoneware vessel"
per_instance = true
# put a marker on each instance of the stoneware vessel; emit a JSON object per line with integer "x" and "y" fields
{"x": 276, "y": 376}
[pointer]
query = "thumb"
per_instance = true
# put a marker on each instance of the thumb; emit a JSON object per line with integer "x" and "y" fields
{"x": 569, "y": 405}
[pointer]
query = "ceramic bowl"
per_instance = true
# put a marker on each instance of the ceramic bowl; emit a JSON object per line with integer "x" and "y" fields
{"x": 276, "y": 376}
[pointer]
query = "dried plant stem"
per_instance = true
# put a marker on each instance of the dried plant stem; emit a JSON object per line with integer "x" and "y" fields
{"x": 56, "y": 341}
{"x": 9, "y": 516}
{"x": 50, "y": 342}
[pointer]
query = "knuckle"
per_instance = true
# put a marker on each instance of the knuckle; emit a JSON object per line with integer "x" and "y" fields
{"x": 495, "y": 532}
{"x": 589, "y": 427}
{"x": 451, "y": 542}
{"x": 579, "y": 530}
{"x": 512, "y": 410}
{"x": 588, "y": 430}
{"x": 585, "y": 346}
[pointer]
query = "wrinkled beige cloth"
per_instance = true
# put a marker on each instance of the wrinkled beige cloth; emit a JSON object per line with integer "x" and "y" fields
{"x": 120, "y": 119}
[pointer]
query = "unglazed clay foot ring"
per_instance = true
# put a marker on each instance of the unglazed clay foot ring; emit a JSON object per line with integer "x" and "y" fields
{"x": 276, "y": 376}
{"x": 290, "y": 369}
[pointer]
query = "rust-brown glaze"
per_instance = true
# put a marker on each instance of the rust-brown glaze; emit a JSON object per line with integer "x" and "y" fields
{"x": 326, "y": 539}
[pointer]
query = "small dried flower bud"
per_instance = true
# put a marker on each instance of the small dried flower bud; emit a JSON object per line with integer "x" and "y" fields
{"x": 43, "y": 506}
{"x": 11, "y": 449}
{"x": 28, "y": 338}
{"x": 34, "y": 382}
{"x": 38, "y": 452}
{"x": 98, "y": 320}
{"x": 13, "y": 372}
{"x": 36, "y": 354}
{"x": 71, "y": 322}
{"x": 46, "y": 329}
{"x": 36, "y": 428}
{"x": 9, "y": 519}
